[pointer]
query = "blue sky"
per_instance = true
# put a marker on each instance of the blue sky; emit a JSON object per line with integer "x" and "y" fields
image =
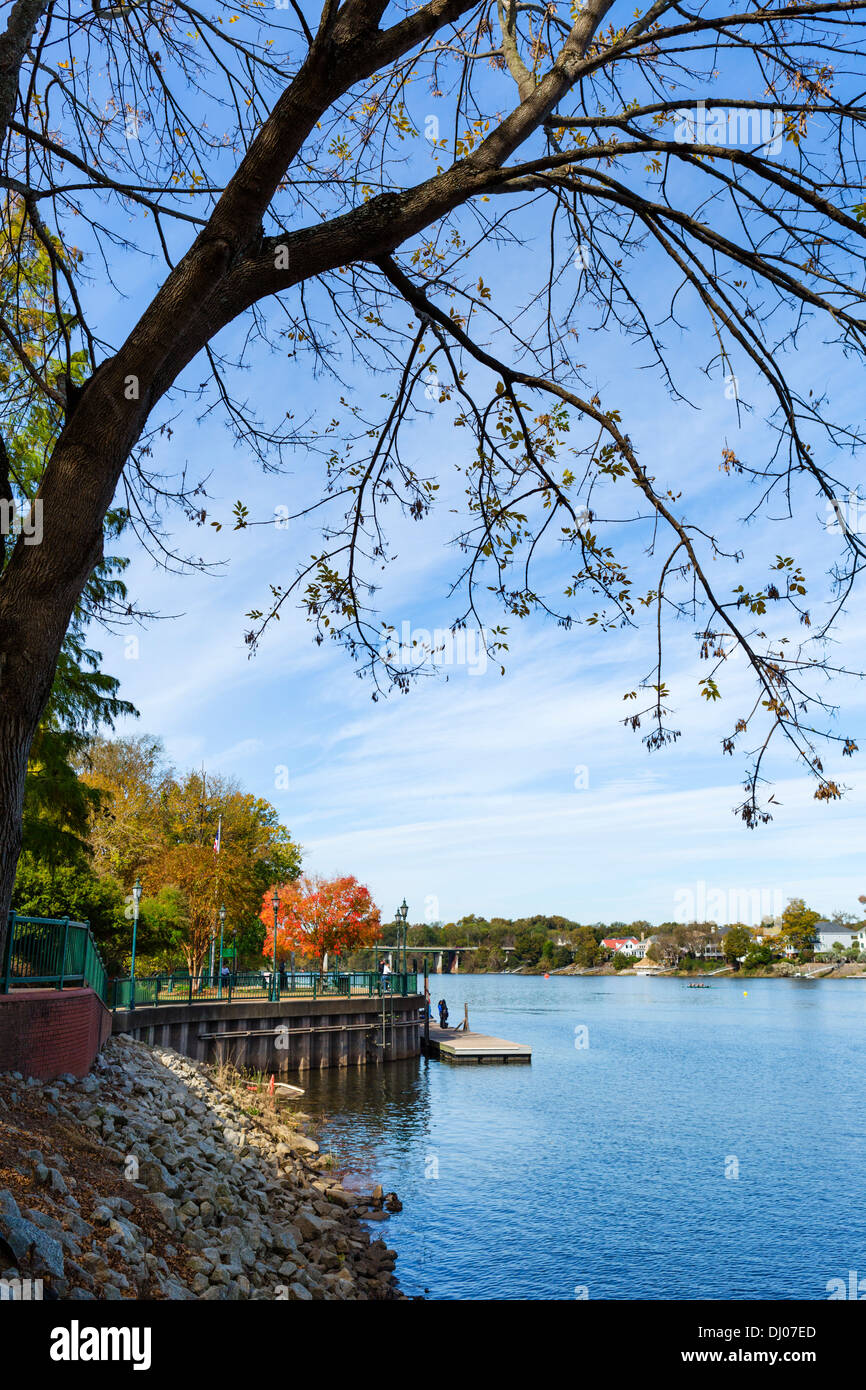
{"x": 483, "y": 793}
{"x": 500, "y": 795}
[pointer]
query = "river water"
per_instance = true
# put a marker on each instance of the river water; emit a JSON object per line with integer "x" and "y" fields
{"x": 665, "y": 1143}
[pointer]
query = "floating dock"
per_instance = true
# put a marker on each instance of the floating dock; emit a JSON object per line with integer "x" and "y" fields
{"x": 457, "y": 1045}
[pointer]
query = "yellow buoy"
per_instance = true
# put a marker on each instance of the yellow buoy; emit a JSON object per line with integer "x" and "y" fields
{"x": 745, "y": 994}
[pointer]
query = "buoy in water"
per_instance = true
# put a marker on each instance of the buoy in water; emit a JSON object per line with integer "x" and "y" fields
{"x": 547, "y": 977}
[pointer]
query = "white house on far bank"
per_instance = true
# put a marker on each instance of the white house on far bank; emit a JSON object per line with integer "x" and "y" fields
{"x": 827, "y": 934}
{"x": 625, "y": 945}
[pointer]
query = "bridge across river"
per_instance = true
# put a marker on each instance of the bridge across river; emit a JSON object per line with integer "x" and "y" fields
{"x": 446, "y": 958}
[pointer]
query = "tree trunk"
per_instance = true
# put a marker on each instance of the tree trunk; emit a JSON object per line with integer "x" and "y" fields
{"x": 14, "y": 747}
{"x": 30, "y": 640}
{"x": 229, "y": 267}
{"x": 39, "y": 589}
{"x": 14, "y": 42}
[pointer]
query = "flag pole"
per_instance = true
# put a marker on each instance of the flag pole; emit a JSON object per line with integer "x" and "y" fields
{"x": 216, "y": 848}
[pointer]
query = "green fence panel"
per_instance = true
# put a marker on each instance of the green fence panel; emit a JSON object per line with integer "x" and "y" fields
{"x": 52, "y": 951}
{"x": 207, "y": 988}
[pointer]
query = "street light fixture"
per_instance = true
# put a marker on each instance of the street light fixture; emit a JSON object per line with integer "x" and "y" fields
{"x": 401, "y": 915}
{"x": 136, "y": 904}
{"x": 222, "y": 926}
{"x": 275, "y": 903}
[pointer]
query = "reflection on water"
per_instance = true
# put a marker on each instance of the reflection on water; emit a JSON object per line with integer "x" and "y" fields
{"x": 603, "y": 1166}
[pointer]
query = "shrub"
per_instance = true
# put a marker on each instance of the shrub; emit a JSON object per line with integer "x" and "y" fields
{"x": 758, "y": 957}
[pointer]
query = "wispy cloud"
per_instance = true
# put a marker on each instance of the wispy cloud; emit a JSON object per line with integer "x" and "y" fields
{"x": 494, "y": 794}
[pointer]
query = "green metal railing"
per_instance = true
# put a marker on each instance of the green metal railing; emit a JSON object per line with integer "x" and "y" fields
{"x": 51, "y": 951}
{"x": 151, "y": 990}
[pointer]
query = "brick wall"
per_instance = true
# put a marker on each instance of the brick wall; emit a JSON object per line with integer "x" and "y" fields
{"x": 46, "y": 1032}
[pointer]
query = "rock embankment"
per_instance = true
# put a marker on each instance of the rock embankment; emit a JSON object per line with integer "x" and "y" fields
{"x": 149, "y": 1179}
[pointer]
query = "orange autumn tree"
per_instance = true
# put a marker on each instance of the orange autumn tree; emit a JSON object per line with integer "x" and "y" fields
{"x": 320, "y": 917}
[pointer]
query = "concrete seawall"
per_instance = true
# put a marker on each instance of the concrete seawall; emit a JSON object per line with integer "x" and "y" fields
{"x": 290, "y": 1036}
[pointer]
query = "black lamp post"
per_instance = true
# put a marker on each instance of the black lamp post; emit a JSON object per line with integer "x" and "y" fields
{"x": 275, "y": 903}
{"x": 136, "y": 904}
{"x": 401, "y": 915}
{"x": 222, "y": 926}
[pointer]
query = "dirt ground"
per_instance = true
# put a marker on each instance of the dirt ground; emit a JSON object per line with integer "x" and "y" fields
{"x": 91, "y": 1170}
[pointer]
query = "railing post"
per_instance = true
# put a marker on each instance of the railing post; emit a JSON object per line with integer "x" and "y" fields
{"x": 7, "y": 962}
{"x": 63, "y": 951}
{"x": 426, "y": 1010}
{"x": 190, "y": 989}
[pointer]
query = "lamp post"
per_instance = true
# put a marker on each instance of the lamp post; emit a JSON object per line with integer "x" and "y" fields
{"x": 136, "y": 904}
{"x": 222, "y": 926}
{"x": 401, "y": 915}
{"x": 275, "y": 903}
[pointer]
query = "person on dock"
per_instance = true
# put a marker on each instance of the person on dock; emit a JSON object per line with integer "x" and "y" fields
{"x": 443, "y": 1014}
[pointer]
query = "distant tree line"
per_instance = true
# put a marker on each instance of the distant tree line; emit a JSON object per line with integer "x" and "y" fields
{"x": 553, "y": 942}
